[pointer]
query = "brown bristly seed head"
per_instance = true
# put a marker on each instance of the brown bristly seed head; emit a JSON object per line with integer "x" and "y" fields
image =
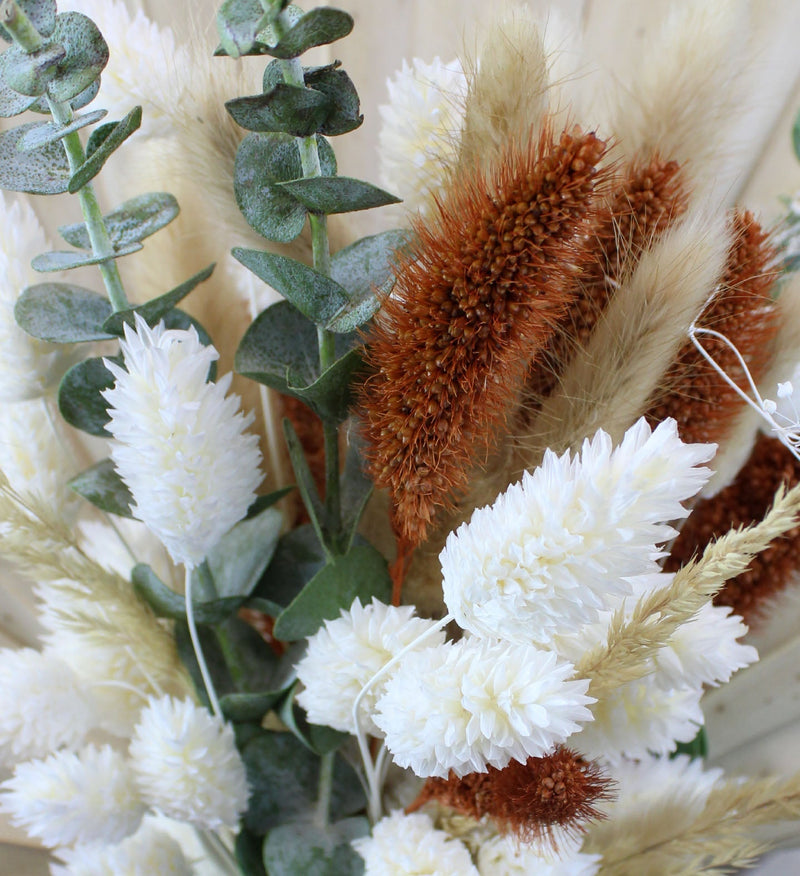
{"x": 529, "y": 800}
{"x": 741, "y": 503}
{"x": 488, "y": 279}
{"x": 703, "y": 405}
{"x": 645, "y": 199}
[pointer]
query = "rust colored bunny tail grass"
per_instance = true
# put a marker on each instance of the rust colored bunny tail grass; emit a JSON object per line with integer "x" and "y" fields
{"x": 647, "y": 197}
{"x": 529, "y": 800}
{"x": 488, "y": 279}
{"x": 703, "y": 404}
{"x": 746, "y": 500}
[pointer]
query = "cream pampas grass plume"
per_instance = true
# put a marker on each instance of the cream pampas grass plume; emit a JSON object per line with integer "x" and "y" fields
{"x": 180, "y": 444}
{"x": 88, "y": 797}
{"x": 186, "y": 764}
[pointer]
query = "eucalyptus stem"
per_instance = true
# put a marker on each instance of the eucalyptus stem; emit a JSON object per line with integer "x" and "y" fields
{"x": 30, "y": 40}
{"x": 325, "y": 788}
{"x": 309, "y": 158}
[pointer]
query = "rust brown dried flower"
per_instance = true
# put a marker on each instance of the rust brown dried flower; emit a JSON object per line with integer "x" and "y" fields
{"x": 488, "y": 280}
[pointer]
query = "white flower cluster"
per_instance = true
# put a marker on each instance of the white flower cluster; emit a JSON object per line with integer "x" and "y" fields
{"x": 421, "y": 128}
{"x": 182, "y": 763}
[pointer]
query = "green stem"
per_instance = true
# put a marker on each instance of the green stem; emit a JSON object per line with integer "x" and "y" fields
{"x": 30, "y": 40}
{"x": 325, "y": 788}
{"x": 309, "y": 158}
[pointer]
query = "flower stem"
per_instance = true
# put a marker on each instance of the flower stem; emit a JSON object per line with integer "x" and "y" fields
{"x": 198, "y": 649}
{"x": 30, "y": 40}
{"x": 309, "y": 158}
{"x": 325, "y": 787}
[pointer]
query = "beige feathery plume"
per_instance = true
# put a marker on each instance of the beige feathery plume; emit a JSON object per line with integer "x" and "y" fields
{"x": 656, "y": 616}
{"x": 684, "y": 87}
{"x": 507, "y": 96}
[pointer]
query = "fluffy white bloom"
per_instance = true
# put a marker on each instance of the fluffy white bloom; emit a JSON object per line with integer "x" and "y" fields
{"x": 345, "y": 653}
{"x": 187, "y": 765}
{"x": 421, "y": 128}
{"x": 475, "y": 703}
{"x": 553, "y": 548}
{"x": 42, "y": 706}
{"x": 149, "y": 852}
{"x": 640, "y": 717}
{"x": 34, "y": 459}
{"x": 126, "y": 81}
{"x": 506, "y": 856}
{"x": 29, "y": 367}
{"x": 409, "y": 844}
{"x": 69, "y": 798}
{"x": 180, "y": 443}
{"x": 705, "y": 650}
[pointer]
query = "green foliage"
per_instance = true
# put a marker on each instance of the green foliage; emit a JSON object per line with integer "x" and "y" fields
{"x": 63, "y": 313}
{"x": 12, "y": 103}
{"x": 40, "y": 171}
{"x": 362, "y": 573}
{"x": 102, "y": 144}
{"x": 79, "y": 399}
{"x": 303, "y": 847}
{"x": 289, "y": 108}
{"x": 104, "y": 488}
{"x": 79, "y": 102}
{"x": 697, "y": 749}
{"x": 42, "y": 14}
{"x": 65, "y": 260}
{"x": 30, "y": 73}
{"x": 316, "y": 737}
{"x": 131, "y": 222}
{"x": 248, "y": 853}
{"x": 318, "y": 27}
{"x": 86, "y": 55}
{"x": 796, "y": 136}
{"x": 356, "y": 488}
{"x": 298, "y": 557}
{"x": 344, "y": 115}
{"x": 337, "y": 194}
{"x": 49, "y": 132}
{"x": 238, "y": 24}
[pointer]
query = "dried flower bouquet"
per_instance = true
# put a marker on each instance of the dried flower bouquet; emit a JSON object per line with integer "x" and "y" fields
{"x": 565, "y": 364}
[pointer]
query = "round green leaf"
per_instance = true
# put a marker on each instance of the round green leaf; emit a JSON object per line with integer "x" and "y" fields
{"x": 79, "y": 102}
{"x": 336, "y": 85}
{"x": 61, "y": 260}
{"x": 131, "y": 222}
{"x": 338, "y": 194}
{"x": 79, "y": 398}
{"x": 30, "y": 73}
{"x": 104, "y": 488}
{"x": 12, "y": 103}
{"x": 317, "y": 27}
{"x": 42, "y": 171}
{"x": 86, "y": 55}
{"x": 303, "y": 847}
{"x": 238, "y": 23}
{"x": 49, "y": 132}
{"x": 288, "y": 108}
{"x": 63, "y": 313}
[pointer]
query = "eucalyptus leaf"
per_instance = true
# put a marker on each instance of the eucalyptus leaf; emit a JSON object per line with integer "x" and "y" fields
{"x": 79, "y": 398}
{"x": 366, "y": 270}
{"x": 62, "y": 313}
{"x": 86, "y": 55}
{"x": 12, "y": 103}
{"x": 115, "y": 135}
{"x": 355, "y": 490}
{"x": 249, "y": 706}
{"x": 42, "y": 171}
{"x": 305, "y": 483}
{"x": 336, "y": 85}
{"x": 79, "y": 102}
{"x": 316, "y": 296}
{"x": 49, "y": 132}
{"x": 317, "y": 27}
{"x": 336, "y": 194}
{"x": 289, "y": 108}
{"x": 214, "y": 657}
{"x": 361, "y": 573}
{"x": 303, "y": 847}
{"x": 42, "y": 14}
{"x": 104, "y": 488}
{"x": 62, "y": 260}
{"x": 152, "y": 311}
{"x": 284, "y": 776}
{"x": 267, "y": 501}
{"x": 168, "y": 603}
{"x": 238, "y": 23}
{"x": 247, "y": 849}
{"x": 131, "y": 222}
{"x": 253, "y": 665}
{"x": 298, "y": 557}
{"x": 30, "y": 73}
{"x": 320, "y": 739}
{"x": 240, "y": 557}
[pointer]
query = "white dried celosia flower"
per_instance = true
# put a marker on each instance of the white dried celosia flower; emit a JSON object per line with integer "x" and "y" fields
{"x": 180, "y": 442}
{"x": 507, "y": 856}
{"x": 149, "y": 852}
{"x": 421, "y": 128}
{"x": 704, "y": 650}
{"x": 43, "y": 706}
{"x": 34, "y": 459}
{"x": 345, "y": 653}
{"x": 411, "y": 845}
{"x": 555, "y": 547}
{"x": 187, "y": 765}
{"x": 125, "y": 81}
{"x": 30, "y": 367}
{"x": 479, "y": 703}
{"x": 641, "y": 717}
{"x": 88, "y": 797}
